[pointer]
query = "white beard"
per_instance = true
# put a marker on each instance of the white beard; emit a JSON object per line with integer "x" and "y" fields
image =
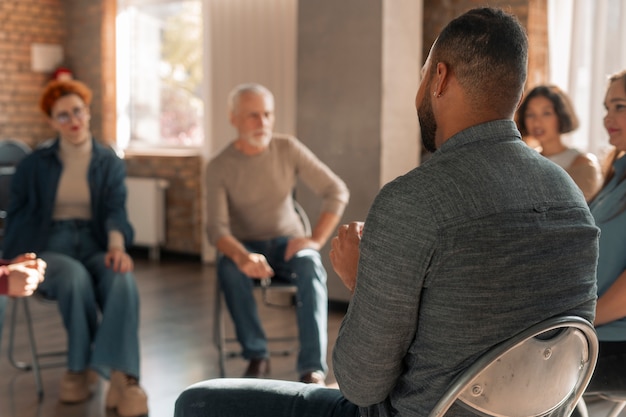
{"x": 259, "y": 141}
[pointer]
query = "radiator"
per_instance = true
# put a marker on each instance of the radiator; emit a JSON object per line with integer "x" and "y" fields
{"x": 146, "y": 212}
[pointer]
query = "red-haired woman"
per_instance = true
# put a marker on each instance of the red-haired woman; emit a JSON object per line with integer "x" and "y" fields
{"x": 68, "y": 203}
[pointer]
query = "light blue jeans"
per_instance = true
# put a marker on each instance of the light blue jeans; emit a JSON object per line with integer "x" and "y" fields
{"x": 99, "y": 307}
{"x": 262, "y": 397}
{"x": 305, "y": 269}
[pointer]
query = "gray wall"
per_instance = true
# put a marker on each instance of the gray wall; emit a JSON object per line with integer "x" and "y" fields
{"x": 357, "y": 74}
{"x": 339, "y": 101}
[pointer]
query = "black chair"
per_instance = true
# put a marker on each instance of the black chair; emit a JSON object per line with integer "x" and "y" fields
{"x": 11, "y": 153}
{"x": 543, "y": 371}
{"x": 275, "y": 293}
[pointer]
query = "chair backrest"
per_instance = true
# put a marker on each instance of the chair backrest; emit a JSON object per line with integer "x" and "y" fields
{"x": 306, "y": 223}
{"x": 11, "y": 153}
{"x": 542, "y": 371}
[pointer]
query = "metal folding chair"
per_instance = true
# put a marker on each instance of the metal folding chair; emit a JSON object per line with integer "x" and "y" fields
{"x": 543, "y": 371}
{"x": 271, "y": 290}
{"x": 11, "y": 153}
{"x": 614, "y": 396}
{"x": 617, "y": 398}
{"x": 36, "y": 357}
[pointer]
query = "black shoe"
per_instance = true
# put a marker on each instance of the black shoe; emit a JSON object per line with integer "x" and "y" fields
{"x": 313, "y": 378}
{"x": 258, "y": 368}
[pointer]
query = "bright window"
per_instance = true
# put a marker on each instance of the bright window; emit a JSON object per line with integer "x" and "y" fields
{"x": 159, "y": 74}
{"x": 587, "y": 44}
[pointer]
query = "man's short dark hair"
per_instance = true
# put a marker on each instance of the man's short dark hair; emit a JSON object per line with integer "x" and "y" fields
{"x": 487, "y": 50}
{"x": 568, "y": 121}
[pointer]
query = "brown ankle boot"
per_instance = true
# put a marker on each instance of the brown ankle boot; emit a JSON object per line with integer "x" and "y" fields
{"x": 74, "y": 387}
{"x": 126, "y": 395}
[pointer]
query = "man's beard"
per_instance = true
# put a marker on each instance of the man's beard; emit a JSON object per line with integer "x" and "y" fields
{"x": 428, "y": 124}
{"x": 259, "y": 141}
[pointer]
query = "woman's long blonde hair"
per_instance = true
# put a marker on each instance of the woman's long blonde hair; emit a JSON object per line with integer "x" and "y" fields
{"x": 608, "y": 168}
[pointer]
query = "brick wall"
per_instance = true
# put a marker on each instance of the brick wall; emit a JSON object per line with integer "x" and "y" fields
{"x": 537, "y": 28}
{"x": 85, "y": 29}
{"x": 531, "y": 13}
{"x": 23, "y": 23}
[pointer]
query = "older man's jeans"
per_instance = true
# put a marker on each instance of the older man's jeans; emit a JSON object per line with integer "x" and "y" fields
{"x": 304, "y": 269}
{"x": 83, "y": 286}
{"x": 262, "y": 397}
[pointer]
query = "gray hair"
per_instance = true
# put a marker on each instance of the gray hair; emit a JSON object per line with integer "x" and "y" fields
{"x": 247, "y": 88}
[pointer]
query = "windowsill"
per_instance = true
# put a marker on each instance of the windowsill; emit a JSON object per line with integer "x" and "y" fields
{"x": 174, "y": 152}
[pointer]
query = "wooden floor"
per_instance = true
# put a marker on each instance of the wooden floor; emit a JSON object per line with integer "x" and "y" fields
{"x": 176, "y": 344}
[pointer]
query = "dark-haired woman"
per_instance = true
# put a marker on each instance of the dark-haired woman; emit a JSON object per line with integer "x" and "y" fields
{"x": 546, "y": 113}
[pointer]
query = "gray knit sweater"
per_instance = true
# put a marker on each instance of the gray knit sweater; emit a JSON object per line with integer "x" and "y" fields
{"x": 483, "y": 240}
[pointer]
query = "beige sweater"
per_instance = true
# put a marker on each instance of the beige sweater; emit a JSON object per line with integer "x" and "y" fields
{"x": 250, "y": 197}
{"x": 73, "y": 200}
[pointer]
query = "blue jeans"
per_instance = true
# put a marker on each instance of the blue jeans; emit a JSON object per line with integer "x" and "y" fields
{"x": 83, "y": 286}
{"x": 262, "y": 397}
{"x": 305, "y": 269}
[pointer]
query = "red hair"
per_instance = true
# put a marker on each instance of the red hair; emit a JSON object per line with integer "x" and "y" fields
{"x": 60, "y": 88}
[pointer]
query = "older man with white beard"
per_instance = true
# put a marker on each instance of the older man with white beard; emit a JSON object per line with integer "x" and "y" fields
{"x": 253, "y": 224}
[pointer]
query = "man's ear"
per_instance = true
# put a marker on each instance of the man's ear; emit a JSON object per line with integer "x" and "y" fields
{"x": 441, "y": 78}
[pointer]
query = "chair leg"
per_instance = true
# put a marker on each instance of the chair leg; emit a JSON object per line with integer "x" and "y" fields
{"x": 23, "y": 366}
{"x": 33, "y": 350}
{"x": 34, "y": 365}
{"x": 617, "y": 408}
{"x": 581, "y": 408}
{"x": 218, "y": 330}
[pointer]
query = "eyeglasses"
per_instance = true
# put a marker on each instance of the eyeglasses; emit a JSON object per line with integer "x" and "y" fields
{"x": 65, "y": 117}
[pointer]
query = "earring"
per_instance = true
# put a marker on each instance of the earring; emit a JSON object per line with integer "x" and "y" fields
{"x": 434, "y": 94}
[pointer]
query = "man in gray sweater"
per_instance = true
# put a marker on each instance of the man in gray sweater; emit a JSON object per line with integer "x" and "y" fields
{"x": 253, "y": 224}
{"x": 482, "y": 241}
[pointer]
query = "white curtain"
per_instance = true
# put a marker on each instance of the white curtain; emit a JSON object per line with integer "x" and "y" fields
{"x": 587, "y": 43}
{"x": 249, "y": 41}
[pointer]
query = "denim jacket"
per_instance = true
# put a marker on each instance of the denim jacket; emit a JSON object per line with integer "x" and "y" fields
{"x": 33, "y": 194}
